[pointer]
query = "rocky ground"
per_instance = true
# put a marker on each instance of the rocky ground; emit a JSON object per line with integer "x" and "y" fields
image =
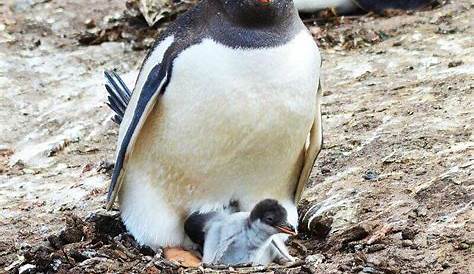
{"x": 393, "y": 187}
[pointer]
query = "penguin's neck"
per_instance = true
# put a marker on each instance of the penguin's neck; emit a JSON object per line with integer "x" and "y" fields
{"x": 253, "y": 17}
{"x": 256, "y": 233}
{"x": 227, "y": 30}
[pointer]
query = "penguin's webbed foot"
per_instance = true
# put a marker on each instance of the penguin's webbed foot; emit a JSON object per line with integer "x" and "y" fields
{"x": 181, "y": 256}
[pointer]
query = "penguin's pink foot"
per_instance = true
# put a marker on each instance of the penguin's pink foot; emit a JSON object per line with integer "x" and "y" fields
{"x": 181, "y": 256}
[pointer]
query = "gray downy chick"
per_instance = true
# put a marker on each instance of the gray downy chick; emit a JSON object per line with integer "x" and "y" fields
{"x": 242, "y": 237}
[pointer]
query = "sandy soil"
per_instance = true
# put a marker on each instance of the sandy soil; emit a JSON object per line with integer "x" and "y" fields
{"x": 393, "y": 187}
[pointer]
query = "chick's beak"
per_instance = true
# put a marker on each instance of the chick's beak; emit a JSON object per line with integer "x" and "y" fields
{"x": 287, "y": 229}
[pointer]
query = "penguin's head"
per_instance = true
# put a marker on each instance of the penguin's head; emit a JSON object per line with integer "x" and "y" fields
{"x": 258, "y": 12}
{"x": 271, "y": 217}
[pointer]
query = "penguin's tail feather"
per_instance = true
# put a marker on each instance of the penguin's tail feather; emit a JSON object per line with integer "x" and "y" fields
{"x": 119, "y": 95}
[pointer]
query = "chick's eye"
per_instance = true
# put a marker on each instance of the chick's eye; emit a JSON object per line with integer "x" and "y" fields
{"x": 269, "y": 219}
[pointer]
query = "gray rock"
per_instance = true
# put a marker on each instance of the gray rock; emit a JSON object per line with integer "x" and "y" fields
{"x": 315, "y": 259}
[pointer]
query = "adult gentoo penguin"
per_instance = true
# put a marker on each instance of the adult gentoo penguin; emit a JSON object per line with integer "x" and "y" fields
{"x": 226, "y": 108}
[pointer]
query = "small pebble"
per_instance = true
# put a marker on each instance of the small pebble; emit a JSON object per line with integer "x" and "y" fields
{"x": 90, "y": 23}
{"x": 409, "y": 234}
{"x": 370, "y": 175}
{"x": 397, "y": 43}
{"x": 463, "y": 246}
{"x": 314, "y": 259}
{"x": 407, "y": 243}
{"x": 421, "y": 211}
{"x": 454, "y": 64}
{"x": 375, "y": 248}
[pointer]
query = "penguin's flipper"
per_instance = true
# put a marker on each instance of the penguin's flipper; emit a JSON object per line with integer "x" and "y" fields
{"x": 279, "y": 252}
{"x": 313, "y": 148}
{"x": 195, "y": 226}
{"x": 153, "y": 88}
{"x": 119, "y": 95}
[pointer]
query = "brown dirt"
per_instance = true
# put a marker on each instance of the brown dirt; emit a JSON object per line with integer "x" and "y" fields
{"x": 393, "y": 187}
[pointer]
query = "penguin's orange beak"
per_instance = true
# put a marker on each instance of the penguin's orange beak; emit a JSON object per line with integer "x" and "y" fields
{"x": 287, "y": 229}
{"x": 264, "y": 2}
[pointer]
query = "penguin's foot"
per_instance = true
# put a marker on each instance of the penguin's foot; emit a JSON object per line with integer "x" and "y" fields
{"x": 181, "y": 256}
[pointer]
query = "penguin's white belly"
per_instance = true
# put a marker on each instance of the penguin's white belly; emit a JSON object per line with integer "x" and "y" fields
{"x": 231, "y": 125}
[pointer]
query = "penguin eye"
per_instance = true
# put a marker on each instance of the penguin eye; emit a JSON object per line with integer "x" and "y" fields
{"x": 269, "y": 219}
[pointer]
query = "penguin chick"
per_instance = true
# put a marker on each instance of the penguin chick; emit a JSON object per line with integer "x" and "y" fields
{"x": 239, "y": 238}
